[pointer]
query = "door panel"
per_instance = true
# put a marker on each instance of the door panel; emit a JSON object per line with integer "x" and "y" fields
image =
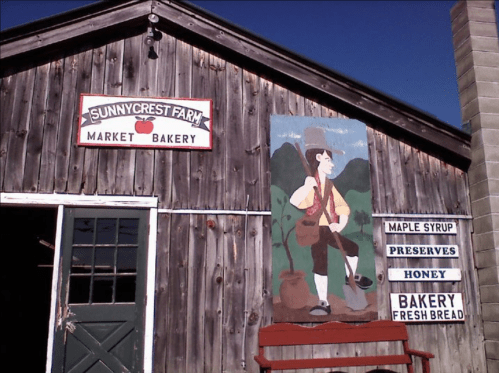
{"x": 102, "y": 291}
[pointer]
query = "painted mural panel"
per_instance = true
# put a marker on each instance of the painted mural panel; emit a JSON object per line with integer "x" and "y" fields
{"x": 323, "y": 255}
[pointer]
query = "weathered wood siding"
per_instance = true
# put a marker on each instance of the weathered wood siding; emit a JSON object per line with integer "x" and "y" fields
{"x": 213, "y": 286}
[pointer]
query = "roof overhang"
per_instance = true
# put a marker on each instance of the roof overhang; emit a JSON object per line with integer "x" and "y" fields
{"x": 199, "y": 26}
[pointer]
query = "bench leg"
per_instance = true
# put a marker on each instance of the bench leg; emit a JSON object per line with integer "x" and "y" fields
{"x": 410, "y": 368}
{"x": 426, "y": 366}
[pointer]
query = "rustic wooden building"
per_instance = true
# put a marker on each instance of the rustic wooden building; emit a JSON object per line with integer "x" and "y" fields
{"x": 196, "y": 222}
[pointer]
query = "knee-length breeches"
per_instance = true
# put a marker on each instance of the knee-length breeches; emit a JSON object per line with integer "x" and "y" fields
{"x": 319, "y": 249}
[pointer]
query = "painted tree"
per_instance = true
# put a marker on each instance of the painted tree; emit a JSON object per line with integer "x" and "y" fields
{"x": 361, "y": 218}
{"x": 282, "y": 221}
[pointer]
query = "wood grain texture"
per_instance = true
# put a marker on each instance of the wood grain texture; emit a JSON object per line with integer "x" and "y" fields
{"x": 166, "y": 87}
{"x": 181, "y": 159}
{"x": 91, "y": 161}
{"x": 50, "y": 133}
{"x": 162, "y": 293}
{"x": 132, "y": 69}
{"x": 19, "y": 126}
{"x": 35, "y": 135}
{"x": 77, "y": 157}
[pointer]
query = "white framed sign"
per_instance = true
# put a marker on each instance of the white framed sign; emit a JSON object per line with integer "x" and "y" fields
{"x": 424, "y": 274}
{"x": 427, "y": 307}
{"x": 420, "y": 227}
{"x": 120, "y": 121}
{"x": 422, "y": 251}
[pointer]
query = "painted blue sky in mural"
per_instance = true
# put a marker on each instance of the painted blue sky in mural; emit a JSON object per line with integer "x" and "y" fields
{"x": 347, "y": 135}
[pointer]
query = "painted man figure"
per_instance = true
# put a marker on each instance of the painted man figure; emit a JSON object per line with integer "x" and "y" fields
{"x": 319, "y": 157}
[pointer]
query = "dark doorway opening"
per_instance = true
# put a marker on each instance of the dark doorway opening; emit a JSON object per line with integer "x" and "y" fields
{"x": 27, "y": 239}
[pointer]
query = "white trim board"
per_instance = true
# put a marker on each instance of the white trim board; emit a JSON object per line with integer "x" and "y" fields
{"x": 77, "y": 200}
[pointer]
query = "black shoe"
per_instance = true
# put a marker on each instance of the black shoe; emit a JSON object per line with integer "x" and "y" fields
{"x": 361, "y": 281}
{"x": 320, "y": 310}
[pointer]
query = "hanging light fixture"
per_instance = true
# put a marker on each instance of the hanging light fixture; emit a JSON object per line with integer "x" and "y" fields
{"x": 151, "y": 32}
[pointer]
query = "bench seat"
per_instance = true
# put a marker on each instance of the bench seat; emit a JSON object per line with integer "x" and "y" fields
{"x": 338, "y": 333}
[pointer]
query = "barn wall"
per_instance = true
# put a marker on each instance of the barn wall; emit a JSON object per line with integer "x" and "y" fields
{"x": 213, "y": 286}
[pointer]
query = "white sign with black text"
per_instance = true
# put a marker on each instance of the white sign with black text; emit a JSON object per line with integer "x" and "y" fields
{"x": 145, "y": 122}
{"x": 422, "y": 251}
{"x": 427, "y": 307}
{"x": 420, "y": 227}
{"x": 424, "y": 274}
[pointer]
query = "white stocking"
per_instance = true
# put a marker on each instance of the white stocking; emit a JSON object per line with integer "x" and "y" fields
{"x": 352, "y": 260}
{"x": 321, "y": 286}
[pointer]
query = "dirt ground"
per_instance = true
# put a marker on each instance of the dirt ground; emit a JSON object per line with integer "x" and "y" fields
{"x": 339, "y": 311}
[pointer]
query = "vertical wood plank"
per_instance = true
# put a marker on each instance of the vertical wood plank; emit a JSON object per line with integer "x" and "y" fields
{"x": 427, "y": 204}
{"x": 374, "y": 177}
{"x": 144, "y": 158}
{"x": 181, "y": 159}
{"x": 235, "y": 197}
{"x": 378, "y": 183}
{"x": 312, "y": 108}
{"x": 7, "y": 91}
{"x": 281, "y": 104}
{"x": 17, "y": 141}
{"x": 409, "y": 176}
{"x": 436, "y": 193}
{"x": 69, "y": 101}
{"x": 394, "y": 163}
{"x": 77, "y": 156}
{"x": 201, "y": 160}
{"x": 47, "y": 164}
{"x": 176, "y": 334}
{"x": 234, "y": 297}
{"x": 265, "y": 110}
{"x": 384, "y": 167}
{"x": 113, "y": 82}
{"x": 91, "y": 164}
{"x": 35, "y": 135}
{"x": 327, "y": 112}
{"x": 132, "y": 69}
{"x": 214, "y": 276}
{"x": 252, "y": 141}
{"x": 217, "y": 82}
{"x": 463, "y": 196}
{"x": 166, "y": 88}
{"x": 196, "y": 292}
{"x": 254, "y": 290}
{"x": 267, "y": 271}
{"x": 161, "y": 325}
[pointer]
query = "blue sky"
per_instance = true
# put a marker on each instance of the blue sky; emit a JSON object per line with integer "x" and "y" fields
{"x": 401, "y": 48}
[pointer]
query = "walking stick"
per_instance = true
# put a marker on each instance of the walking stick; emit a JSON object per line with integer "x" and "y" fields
{"x": 351, "y": 280}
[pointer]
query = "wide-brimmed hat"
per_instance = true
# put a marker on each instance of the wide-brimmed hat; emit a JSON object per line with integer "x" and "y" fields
{"x": 315, "y": 138}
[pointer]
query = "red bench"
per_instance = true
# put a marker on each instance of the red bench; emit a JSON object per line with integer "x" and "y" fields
{"x": 336, "y": 333}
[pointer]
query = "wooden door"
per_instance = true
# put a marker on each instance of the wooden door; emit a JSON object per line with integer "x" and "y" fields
{"x": 101, "y": 304}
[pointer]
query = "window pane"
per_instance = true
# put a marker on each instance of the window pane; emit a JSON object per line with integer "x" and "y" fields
{"x": 83, "y": 231}
{"x": 103, "y": 290}
{"x": 106, "y": 231}
{"x": 125, "y": 289}
{"x": 104, "y": 260}
{"x": 79, "y": 289}
{"x": 127, "y": 259}
{"x": 81, "y": 260}
{"x": 128, "y": 231}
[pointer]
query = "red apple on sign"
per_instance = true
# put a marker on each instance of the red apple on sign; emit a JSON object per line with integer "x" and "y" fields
{"x": 144, "y": 125}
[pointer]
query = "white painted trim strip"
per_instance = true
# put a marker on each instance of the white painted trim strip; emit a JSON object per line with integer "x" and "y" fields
{"x": 213, "y": 212}
{"x": 77, "y": 200}
{"x": 150, "y": 291}
{"x": 422, "y": 216}
{"x": 54, "y": 292}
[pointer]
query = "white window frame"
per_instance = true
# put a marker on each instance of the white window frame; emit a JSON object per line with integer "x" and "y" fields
{"x": 60, "y": 201}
